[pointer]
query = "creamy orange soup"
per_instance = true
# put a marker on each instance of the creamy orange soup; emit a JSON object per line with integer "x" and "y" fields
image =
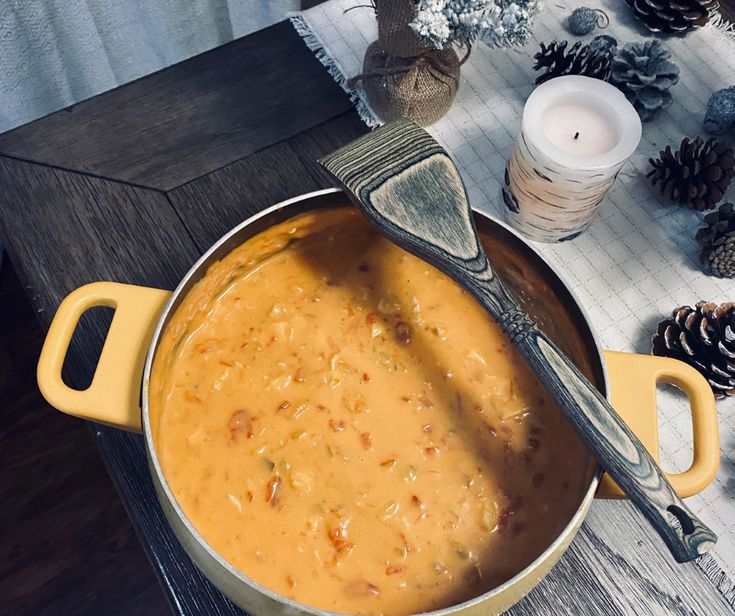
{"x": 345, "y": 425}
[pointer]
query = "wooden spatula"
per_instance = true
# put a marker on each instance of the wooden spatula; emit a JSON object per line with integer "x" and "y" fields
{"x": 407, "y": 185}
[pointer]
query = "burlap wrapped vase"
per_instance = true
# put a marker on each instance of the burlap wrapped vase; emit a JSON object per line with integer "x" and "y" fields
{"x": 402, "y": 77}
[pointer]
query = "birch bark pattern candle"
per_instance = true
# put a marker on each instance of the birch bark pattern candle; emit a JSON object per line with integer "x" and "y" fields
{"x": 576, "y": 135}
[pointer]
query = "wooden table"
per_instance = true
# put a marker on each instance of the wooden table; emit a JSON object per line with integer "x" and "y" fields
{"x": 133, "y": 185}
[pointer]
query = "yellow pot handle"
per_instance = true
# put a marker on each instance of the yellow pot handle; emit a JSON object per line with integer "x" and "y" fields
{"x": 633, "y": 380}
{"x": 114, "y": 394}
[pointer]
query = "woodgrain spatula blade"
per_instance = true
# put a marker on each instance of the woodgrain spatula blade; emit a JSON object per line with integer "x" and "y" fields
{"x": 407, "y": 185}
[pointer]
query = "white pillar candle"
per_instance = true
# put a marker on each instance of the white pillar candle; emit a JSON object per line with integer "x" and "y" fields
{"x": 576, "y": 134}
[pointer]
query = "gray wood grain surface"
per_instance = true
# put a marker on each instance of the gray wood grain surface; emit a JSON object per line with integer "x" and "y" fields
{"x": 213, "y": 204}
{"x": 614, "y": 566}
{"x": 65, "y": 228}
{"x": 191, "y": 118}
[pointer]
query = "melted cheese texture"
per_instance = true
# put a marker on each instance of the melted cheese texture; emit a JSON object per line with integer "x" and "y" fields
{"x": 345, "y": 425}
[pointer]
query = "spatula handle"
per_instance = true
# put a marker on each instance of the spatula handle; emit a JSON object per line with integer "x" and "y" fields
{"x": 618, "y": 450}
{"x": 408, "y": 186}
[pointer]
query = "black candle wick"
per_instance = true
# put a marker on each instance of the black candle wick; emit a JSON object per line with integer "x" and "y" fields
{"x": 576, "y": 135}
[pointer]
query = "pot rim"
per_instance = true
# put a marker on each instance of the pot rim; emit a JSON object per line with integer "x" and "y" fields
{"x": 154, "y": 463}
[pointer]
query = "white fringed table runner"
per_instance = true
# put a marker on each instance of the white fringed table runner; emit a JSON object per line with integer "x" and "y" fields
{"x": 638, "y": 260}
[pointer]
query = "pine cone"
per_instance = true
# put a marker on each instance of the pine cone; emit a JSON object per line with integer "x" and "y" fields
{"x": 645, "y": 73}
{"x": 591, "y": 60}
{"x": 673, "y": 16}
{"x": 703, "y": 337}
{"x": 697, "y": 175}
{"x": 718, "y": 242}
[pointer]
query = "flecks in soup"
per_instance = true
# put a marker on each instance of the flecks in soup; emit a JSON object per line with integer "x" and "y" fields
{"x": 345, "y": 425}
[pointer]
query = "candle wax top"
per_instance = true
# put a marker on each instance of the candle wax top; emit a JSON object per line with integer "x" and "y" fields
{"x": 579, "y": 130}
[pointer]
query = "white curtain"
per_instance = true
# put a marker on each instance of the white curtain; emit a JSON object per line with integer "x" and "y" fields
{"x": 57, "y": 52}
